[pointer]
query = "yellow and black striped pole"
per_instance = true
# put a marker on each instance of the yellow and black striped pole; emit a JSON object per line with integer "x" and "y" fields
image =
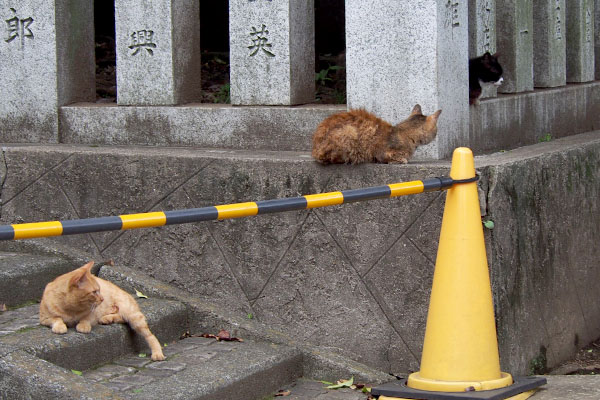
{"x": 237, "y": 210}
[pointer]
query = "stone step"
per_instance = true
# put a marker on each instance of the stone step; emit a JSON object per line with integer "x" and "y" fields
{"x": 201, "y": 368}
{"x": 23, "y": 276}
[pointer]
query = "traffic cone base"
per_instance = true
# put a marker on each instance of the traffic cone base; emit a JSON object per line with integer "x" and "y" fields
{"x": 521, "y": 389}
{"x": 416, "y": 381}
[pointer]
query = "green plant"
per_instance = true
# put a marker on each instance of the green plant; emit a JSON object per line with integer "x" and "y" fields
{"x": 538, "y": 364}
{"x": 546, "y": 138}
{"x": 223, "y": 95}
{"x": 322, "y": 76}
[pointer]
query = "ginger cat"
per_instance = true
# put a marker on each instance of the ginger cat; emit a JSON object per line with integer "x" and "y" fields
{"x": 357, "y": 136}
{"x": 80, "y": 298}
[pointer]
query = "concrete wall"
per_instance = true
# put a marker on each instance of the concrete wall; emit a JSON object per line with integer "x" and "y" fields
{"x": 354, "y": 278}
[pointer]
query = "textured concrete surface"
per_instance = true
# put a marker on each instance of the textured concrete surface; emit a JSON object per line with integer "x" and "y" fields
{"x": 23, "y": 277}
{"x": 355, "y": 278}
{"x": 430, "y": 42}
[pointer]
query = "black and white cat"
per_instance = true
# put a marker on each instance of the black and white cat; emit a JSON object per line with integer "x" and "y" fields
{"x": 484, "y": 69}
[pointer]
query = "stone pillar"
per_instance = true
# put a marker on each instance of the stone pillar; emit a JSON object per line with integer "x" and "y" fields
{"x": 158, "y": 52}
{"x": 580, "y": 41}
{"x": 47, "y": 61}
{"x": 272, "y": 52}
{"x": 402, "y": 52}
{"x": 482, "y": 34}
{"x": 549, "y": 43}
{"x": 514, "y": 26}
{"x": 597, "y": 37}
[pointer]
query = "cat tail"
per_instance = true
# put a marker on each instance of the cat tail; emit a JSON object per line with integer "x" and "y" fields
{"x": 138, "y": 323}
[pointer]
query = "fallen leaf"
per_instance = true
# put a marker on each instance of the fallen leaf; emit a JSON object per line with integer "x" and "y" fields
{"x": 283, "y": 393}
{"x": 223, "y": 335}
{"x": 342, "y": 384}
{"x": 78, "y": 373}
{"x": 326, "y": 383}
{"x": 142, "y": 355}
{"x": 140, "y": 294}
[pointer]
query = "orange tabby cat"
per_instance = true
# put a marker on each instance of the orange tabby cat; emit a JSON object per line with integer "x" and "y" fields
{"x": 357, "y": 136}
{"x": 80, "y": 298}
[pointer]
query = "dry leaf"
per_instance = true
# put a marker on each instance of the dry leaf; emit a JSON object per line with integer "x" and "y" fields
{"x": 283, "y": 393}
{"x": 223, "y": 335}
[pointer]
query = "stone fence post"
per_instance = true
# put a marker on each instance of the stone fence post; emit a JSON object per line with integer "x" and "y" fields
{"x": 482, "y": 34}
{"x": 597, "y": 37}
{"x": 514, "y": 24}
{"x": 403, "y": 52}
{"x": 272, "y": 52}
{"x": 549, "y": 43}
{"x": 47, "y": 61}
{"x": 158, "y": 51}
{"x": 580, "y": 41}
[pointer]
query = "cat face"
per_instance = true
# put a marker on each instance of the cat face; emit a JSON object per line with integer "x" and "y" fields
{"x": 488, "y": 69}
{"x": 83, "y": 287}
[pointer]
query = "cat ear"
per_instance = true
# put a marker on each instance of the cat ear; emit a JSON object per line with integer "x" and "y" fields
{"x": 431, "y": 120}
{"x": 416, "y": 110}
{"x": 80, "y": 274}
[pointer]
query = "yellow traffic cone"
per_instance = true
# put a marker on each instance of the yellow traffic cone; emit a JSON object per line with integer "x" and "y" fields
{"x": 460, "y": 351}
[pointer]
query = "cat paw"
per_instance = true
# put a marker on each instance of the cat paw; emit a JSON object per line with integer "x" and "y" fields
{"x": 158, "y": 356}
{"x": 106, "y": 320}
{"x": 59, "y": 328}
{"x": 84, "y": 327}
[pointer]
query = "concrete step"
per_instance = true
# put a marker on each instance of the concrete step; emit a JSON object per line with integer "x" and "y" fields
{"x": 23, "y": 276}
{"x": 200, "y": 368}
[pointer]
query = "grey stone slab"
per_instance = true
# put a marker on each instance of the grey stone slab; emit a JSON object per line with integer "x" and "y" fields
{"x": 514, "y": 26}
{"x": 482, "y": 34}
{"x": 168, "y": 366}
{"x": 430, "y": 42}
{"x": 583, "y": 387}
{"x": 177, "y": 348}
{"x": 47, "y": 61}
{"x": 272, "y": 53}
{"x": 158, "y": 52}
{"x": 580, "y": 41}
{"x": 212, "y": 126}
{"x": 108, "y": 372}
{"x": 549, "y": 43}
{"x": 134, "y": 361}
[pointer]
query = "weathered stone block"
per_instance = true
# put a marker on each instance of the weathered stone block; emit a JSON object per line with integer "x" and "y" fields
{"x": 515, "y": 38}
{"x": 597, "y": 37}
{"x": 549, "y": 43}
{"x": 482, "y": 34}
{"x": 158, "y": 52}
{"x": 47, "y": 61}
{"x": 580, "y": 41}
{"x": 399, "y": 54}
{"x": 272, "y": 54}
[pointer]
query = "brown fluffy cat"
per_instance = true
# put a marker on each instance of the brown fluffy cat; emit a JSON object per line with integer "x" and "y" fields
{"x": 357, "y": 136}
{"x": 80, "y": 298}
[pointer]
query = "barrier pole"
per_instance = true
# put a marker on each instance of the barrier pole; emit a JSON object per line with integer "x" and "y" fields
{"x": 220, "y": 212}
